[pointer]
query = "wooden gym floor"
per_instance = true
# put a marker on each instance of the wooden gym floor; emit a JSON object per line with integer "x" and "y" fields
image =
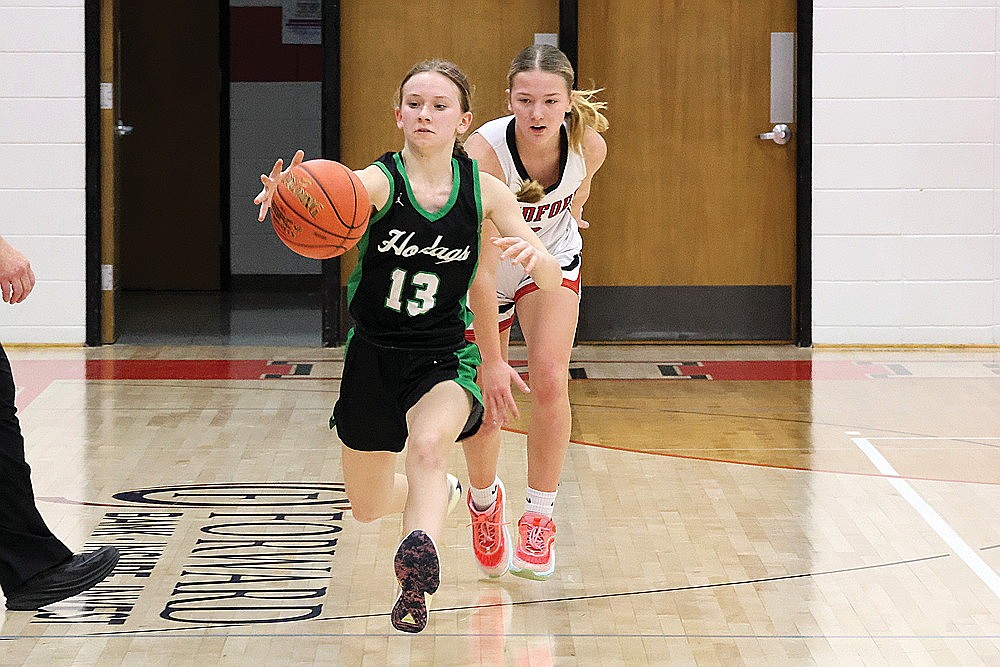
{"x": 719, "y": 506}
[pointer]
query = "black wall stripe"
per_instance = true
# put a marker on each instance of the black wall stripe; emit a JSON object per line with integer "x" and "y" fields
{"x": 803, "y": 180}
{"x": 333, "y": 328}
{"x": 92, "y": 184}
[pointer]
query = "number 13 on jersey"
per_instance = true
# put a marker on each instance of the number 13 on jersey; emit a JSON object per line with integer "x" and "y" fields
{"x": 425, "y": 287}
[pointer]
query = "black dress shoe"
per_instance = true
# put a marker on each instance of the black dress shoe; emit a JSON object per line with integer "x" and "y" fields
{"x": 76, "y": 575}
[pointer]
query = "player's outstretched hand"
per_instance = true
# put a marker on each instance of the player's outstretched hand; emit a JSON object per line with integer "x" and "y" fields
{"x": 517, "y": 251}
{"x": 271, "y": 181}
{"x": 496, "y": 378}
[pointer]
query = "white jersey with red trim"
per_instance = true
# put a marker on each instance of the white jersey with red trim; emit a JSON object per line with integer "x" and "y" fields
{"x": 550, "y": 218}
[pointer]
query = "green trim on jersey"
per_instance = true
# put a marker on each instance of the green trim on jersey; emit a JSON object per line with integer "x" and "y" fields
{"x": 355, "y": 279}
{"x": 441, "y": 212}
{"x": 468, "y": 360}
{"x": 388, "y": 202}
{"x": 479, "y": 196}
{"x": 467, "y": 316}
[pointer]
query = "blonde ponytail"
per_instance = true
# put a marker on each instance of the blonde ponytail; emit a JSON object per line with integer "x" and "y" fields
{"x": 530, "y": 192}
{"x": 584, "y": 112}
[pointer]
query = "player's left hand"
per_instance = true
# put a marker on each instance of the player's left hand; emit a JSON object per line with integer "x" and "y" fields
{"x": 495, "y": 379}
{"x": 271, "y": 181}
{"x": 517, "y": 251}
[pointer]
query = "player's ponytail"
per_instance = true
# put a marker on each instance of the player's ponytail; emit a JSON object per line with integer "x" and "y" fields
{"x": 530, "y": 191}
{"x": 584, "y": 112}
{"x": 459, "y": 149}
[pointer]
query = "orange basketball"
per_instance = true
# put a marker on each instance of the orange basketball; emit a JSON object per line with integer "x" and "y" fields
{"x": 321, "y": 209}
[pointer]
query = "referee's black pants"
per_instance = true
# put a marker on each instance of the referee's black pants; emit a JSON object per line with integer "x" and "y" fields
{"x": 27, "y": 546}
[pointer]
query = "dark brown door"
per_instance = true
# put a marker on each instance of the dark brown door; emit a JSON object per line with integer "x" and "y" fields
{"x": 171, "y": 233}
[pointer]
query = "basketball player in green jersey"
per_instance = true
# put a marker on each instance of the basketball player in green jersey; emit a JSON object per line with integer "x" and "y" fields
{"x": 409, "y": 374}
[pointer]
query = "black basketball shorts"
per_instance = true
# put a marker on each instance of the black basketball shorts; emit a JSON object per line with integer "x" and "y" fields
{"x": 381, "y": 384}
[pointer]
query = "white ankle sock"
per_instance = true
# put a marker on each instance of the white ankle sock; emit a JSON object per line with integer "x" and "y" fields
{"x": 483, "y": 499}
{"x": 541, "y": 502}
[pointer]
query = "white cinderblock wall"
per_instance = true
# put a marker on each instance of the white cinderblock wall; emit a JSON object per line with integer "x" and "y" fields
{"x": 906, "y": 171}
{"x": 42, "y": 171}
{"x": 906, "y": 209}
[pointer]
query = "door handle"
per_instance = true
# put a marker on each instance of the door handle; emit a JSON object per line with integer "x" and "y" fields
{"x": 780, "y": 134}
{"x": 123, "y": 130}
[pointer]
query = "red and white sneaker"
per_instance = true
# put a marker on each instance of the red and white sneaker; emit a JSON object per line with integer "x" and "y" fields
{"x": 535, "y": 555}
{"x": 490, "y": 539}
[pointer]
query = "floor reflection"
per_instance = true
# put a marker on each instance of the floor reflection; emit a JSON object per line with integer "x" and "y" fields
{"x": 247, "y": 317}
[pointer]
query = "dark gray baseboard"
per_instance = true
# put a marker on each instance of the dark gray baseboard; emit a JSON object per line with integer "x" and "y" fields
{"x": 690, "y": 313}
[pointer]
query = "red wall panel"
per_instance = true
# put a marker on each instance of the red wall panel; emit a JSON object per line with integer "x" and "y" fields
{"x": 257, "y": 54}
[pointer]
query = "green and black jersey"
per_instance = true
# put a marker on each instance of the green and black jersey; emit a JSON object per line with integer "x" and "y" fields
{"x": 410, "y": 285}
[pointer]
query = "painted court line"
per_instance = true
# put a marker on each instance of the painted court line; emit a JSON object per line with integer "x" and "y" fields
{"x": 933, "y": 519}
{"x": 932, "y": 437}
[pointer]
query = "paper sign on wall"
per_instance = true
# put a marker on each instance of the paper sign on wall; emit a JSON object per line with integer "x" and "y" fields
{"x": 301, "y": 21}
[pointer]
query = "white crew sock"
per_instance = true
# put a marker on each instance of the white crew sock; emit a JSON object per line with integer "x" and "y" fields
{"x": 483, "y": 499}
{"x": 541, "y": 502}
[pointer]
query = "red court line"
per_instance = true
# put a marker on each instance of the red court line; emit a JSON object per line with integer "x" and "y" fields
{"x": 774, "y": 466}
{"x": 802, "y": 369}
{"x": 32, "y": 376}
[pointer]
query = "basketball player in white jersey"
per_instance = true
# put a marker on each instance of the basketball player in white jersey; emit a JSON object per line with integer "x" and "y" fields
{"x": 547, "y": 152}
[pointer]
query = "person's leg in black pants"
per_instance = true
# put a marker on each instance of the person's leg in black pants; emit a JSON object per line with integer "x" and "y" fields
{"x": 26, "y": 545}
{"x": 36, "y": 568}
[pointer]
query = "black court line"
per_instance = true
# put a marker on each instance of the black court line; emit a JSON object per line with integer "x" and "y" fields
{"x": 526, "y": 635}
{"x": 574, "y": 598}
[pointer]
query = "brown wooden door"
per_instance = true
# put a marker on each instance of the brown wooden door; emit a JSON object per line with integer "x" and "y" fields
{"x": 692, "y": 217}
{"x": 378, "y": 47}
{"x": 171, "y": 232}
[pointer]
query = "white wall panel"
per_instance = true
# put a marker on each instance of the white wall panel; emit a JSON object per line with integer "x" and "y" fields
{"x": 41, "y": 3}
{"x": 949, "y": 29}
{"x": 43, "y": 212}
{"x": 948, "y": 212}
{"x": 858, "y": 258}
{"x": 868, "y": 30}
{"x": 859, "y": 335}
{"x": 42, "y": 121}
{"x": 53, "y": 258}
{"x": 42, "y": 165}
{"x": 947, "y": 303}
{"x": 857, "y": 304}
{"x": 51, "y": 304}
{"x": 874, "y": 121}
{"x": 948, "y": 258}
{"x": 41, "y": 75}
{"x": 35, "y": 29}
{"x": 947, "y": 335}
{"x": 905, "y": 171}
{"x": 866, "y": 212}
